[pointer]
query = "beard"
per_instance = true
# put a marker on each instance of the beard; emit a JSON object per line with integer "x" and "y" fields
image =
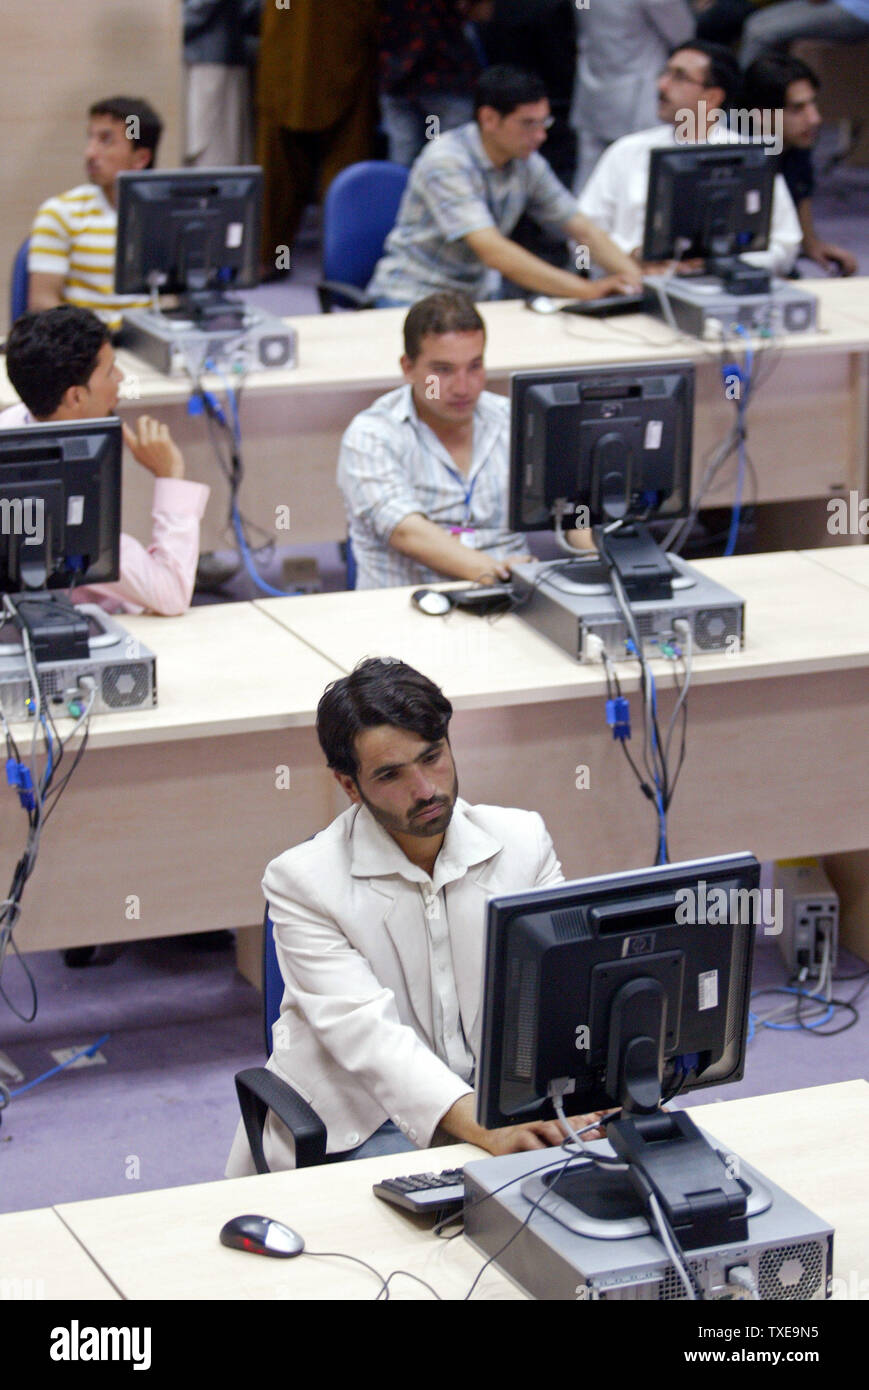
{"x": 411, "y": 824}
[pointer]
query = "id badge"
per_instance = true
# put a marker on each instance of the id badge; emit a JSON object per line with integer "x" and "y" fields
{"x": 466, "y": 534}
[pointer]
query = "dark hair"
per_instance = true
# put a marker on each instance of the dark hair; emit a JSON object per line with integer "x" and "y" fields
{"x": 50, "y": 351}
{"x": 378, "y": 691}
{"x": 767, "y": 79}
{"x": 447, "y": 311}
{"x": 149, "y": 125}
{"x": 505, "y": 88}
{"x": 722, "y": 68}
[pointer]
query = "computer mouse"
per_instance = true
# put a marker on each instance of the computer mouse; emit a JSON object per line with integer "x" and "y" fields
{"x": 431, "y": 601}
{"x": 542, "y": 304}
{"x": 261, "y": 1236}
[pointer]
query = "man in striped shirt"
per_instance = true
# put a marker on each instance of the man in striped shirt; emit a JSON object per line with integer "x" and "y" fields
{"x": 72, "y": 244}
{"x": 424, "y": 470}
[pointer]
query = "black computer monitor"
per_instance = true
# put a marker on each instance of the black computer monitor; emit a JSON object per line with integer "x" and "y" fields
{"x": 60, "y": 522}
{"x": 623, "y": 991}
{"x": 604, "y": 445}
{"x": 191, "y": 232}
{"x": 710, "y": 201}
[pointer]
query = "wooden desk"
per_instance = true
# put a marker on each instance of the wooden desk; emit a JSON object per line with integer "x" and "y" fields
{"x": 846, "y": 560}
{"x": 809, "y": 423}
{"x": 770, "y": 764}
{"x": 183, "y": 806}
{"x": 164, "y": 1245}
{"x": 849, "y": 872}
{"x": 174, "y": 812}
{"x": 40, "y": 1259}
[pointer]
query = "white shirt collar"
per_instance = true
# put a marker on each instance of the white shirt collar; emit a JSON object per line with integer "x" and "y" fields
{"x": 376, "y": 854}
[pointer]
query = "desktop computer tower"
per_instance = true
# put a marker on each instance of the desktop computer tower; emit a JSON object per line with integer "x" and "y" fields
{"x": 122, "y": 669}
{"x": 809, "y": 910}
{"x": 789, "y": 1250}
{"x": 567, "y": 612}
{"x": 698, "y": 305}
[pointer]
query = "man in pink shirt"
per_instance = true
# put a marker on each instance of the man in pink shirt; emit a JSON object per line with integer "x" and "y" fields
{"x": 62, "y": 364}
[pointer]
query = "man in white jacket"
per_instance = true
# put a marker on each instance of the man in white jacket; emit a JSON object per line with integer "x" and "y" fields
{"x": 380, "y": 925}
{"x": 698, "y": 84}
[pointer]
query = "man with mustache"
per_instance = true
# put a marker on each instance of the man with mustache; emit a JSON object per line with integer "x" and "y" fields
{"x": 379, "y": 925}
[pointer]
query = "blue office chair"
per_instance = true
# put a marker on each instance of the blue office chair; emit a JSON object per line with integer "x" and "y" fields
{"x": 260, "y": 1090}
{"x": 20, "y": 282}
{"x": 359, "y": 213}
{"x": 350, "y": 562}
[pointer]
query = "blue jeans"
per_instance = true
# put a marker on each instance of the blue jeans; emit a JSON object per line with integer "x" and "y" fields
{"x": 388, "y": 1139}
{"x": 410, "y": 121}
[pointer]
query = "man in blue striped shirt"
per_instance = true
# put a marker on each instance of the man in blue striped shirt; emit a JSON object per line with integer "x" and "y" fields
{"x": 424, "y": 470}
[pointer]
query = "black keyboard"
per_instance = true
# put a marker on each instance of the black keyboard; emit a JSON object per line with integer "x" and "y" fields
{"x": 640, "y": 303}
{"x": 426, "y": 1194}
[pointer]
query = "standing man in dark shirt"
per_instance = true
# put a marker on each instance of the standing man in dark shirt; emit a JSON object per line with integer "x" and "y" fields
{"x": 428, "y": 68}
{"x": 777, "y": 82}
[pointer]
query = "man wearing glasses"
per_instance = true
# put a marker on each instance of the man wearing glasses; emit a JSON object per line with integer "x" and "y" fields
{"x": 700, "y": 81}
{"x": 466, "y": 192}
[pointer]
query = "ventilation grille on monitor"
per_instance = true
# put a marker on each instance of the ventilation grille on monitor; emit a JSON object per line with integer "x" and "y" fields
{"x": 570, "y": 925}
{"x": 519, "y": 1047}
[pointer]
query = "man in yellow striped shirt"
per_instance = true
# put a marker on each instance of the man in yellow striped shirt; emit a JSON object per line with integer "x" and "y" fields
{"x": 72, "y": 244}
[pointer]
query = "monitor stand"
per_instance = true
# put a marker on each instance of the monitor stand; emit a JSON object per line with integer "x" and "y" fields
{"x": 591, "y": 576}
{"x": 603, "y": 1203}
{"x": 789, "y": 1249}
{"x": 100, "y": 632}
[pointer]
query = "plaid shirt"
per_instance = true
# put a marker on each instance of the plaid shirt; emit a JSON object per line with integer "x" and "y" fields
{"x": 392, "y": 465}
{"x": 454, "y": 189}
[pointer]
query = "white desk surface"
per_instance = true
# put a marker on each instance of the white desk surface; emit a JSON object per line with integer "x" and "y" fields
{"x": 165, "y": 1244}
{"x": 362, "y": 350}
{"x": 40, "y": 1259}
{"x": 800, "y": 618}
{"x": 848, "y": 561}
{"x": 221, "y": 668}
{"x": 248, "y": 667}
